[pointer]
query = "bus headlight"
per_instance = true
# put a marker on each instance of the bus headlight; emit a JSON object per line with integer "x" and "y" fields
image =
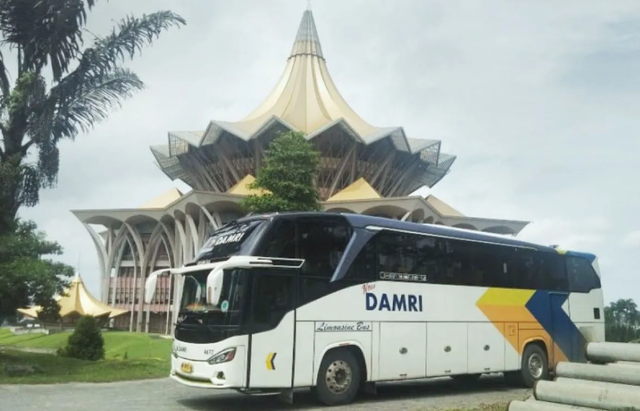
{"x": 224, "y": 356}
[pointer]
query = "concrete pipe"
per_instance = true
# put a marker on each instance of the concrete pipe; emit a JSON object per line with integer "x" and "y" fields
{"x": 602, "y": 384}
{"x": 625, "y": 364}
{"x": 588, "y": 394}
{"x": 543, "y": 406}
{"x": 592, "y": 372}
{"x": 612, "y": 352}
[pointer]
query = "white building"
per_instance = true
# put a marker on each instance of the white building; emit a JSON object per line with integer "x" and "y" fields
{"x": 364, "y": 169}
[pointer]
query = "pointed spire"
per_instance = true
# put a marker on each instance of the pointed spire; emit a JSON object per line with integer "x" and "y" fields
{"x": 307, "y": 40}
{"x": 77, "y": 278}
{"x": 305, "y": 97}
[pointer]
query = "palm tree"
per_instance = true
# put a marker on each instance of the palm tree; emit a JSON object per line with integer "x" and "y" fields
{"x": 34, "y": 118}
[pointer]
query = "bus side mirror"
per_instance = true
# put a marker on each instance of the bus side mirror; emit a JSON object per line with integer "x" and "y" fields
{"x": 150, "y": 284}
{"x": 150, "y": 287}
{"x": 214, "y": 286}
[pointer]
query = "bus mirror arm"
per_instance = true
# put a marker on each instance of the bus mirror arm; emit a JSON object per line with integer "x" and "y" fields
{"x": 216, "y": 276}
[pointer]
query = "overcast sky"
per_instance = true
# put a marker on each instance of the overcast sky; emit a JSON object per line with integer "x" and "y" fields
{"x": 539, "y": 99}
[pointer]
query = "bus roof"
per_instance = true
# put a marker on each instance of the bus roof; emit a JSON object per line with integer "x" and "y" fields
{"x": 364, "y": 221}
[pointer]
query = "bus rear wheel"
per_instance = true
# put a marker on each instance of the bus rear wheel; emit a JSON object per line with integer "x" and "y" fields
{"x": 535, "y": 367}
{"x": 338, "y": 378}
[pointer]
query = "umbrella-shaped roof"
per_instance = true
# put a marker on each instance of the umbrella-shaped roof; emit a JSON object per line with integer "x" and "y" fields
{"x": 77, "y": 300}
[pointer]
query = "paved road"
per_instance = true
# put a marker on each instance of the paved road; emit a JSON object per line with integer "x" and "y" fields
{"x": 165, "y": 395}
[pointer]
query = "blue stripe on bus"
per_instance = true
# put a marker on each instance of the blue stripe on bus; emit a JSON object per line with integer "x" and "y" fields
{"x": 546, "y": 307}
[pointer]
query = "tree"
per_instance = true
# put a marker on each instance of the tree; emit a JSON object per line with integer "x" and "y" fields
{"x": 25, "y": 276}
{"x": 47, "y": 36}
{"x": 622, "y": 321}
{"x": 286, "y": 177}
{"x": 86, "y": 342}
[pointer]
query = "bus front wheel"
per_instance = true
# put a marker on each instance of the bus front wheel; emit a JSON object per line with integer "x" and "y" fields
{"x": 338, "y": 378}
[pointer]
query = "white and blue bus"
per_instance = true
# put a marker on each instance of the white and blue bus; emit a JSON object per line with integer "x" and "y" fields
{"x": 338, "y": 302}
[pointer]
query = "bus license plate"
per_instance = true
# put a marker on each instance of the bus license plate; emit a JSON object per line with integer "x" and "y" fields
{"x": 186, "y": 367}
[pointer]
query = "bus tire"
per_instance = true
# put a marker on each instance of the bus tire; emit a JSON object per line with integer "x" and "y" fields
{"x": 338, "y": 378}
{"x": 535, "y": 366}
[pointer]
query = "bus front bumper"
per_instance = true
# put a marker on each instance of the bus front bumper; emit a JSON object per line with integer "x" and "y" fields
{"x": 201, "y": 374}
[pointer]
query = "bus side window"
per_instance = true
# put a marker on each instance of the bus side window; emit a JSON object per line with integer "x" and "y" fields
{"x": 554, "y": 270}
{"x": 397, "y": 253}
{"x": 281, "y": 242}
{"x": 363, "y": 268}
{"x": 458, "y": 263}
{"x": 391, "y": 248}
{"x": 582, "y": 276}
{"x": 430, "y": 258}
{"x": 489, "y": 268}
{"x": 322, "y": 244}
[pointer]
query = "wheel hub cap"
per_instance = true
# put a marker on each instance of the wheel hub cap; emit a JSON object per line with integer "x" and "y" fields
{"x": 536, "y": 367}
{"x": 338, "y": 377}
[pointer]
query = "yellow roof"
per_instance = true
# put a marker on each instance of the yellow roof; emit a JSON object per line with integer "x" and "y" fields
{"x": 443, "y": 208}
{"x": 358, "y": 190}
{"x": 30, "y": 312}
{"x": 77, "y": 301}
{"x": 163, "y": 200}
{"x": 240, "y": 188}
{"x": 305, "y": 96}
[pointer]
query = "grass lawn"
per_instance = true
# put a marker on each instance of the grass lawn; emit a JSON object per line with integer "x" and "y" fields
{"x": 54, "y": 369}
{"x": 128, "y": 356}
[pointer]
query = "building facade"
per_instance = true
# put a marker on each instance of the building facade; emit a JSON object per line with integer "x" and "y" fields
{"x": 363, "y": 169}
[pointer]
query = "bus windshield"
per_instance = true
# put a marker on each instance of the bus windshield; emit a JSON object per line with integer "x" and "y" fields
{"x": 228, "y": 311}
{"x": 236, "y": 238}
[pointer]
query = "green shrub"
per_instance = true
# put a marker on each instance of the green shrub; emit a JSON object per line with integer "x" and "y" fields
{"x": 86, "y": 342}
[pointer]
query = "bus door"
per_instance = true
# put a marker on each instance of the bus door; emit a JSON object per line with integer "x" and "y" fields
{"x": 272, "y": 322}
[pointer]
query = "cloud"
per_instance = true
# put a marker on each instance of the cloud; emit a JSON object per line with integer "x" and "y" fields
{"x": 538, "y": 100}
{"x": 632, "y": 239}
{"x": 567, "y": 234}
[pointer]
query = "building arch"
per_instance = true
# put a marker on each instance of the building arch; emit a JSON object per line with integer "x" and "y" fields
{"x": 415, "y": 216}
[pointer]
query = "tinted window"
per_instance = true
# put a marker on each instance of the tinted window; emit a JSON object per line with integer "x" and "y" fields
{"x": 232, "y": 239}
{"x": 396, "y": 252}
{"x": 557, "y": 274}
{"x": 272, "y": 297}
{"x": 363, "y": 268}
{"x": 582, "y": 276}
{"x": 459, "y": 262}
{"x": 490, "y": 266}
{"x": 512, "y": 267}
{"x": 321, "y": 243}
{"x": 458, "y": 266}
{"x": 409, "y": 257}
{"x": 281, "y": 242}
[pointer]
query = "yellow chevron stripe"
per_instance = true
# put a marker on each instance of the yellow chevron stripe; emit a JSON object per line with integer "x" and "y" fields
{"x": 269, "y": 361}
